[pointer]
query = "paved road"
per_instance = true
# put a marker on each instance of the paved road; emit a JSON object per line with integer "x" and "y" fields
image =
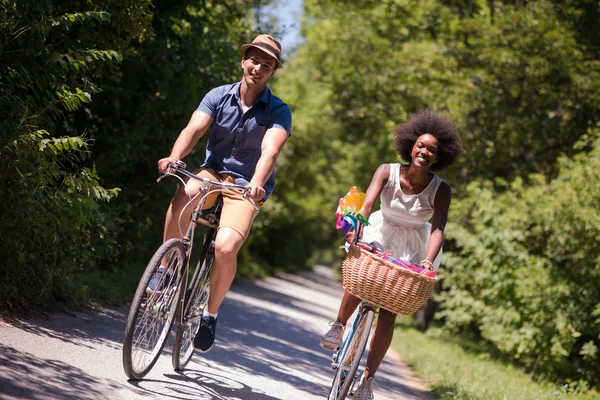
{"x": 267, "y": 349}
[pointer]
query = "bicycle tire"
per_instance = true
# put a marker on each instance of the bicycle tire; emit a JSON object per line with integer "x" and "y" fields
{"x": 143, "y": 343}
{"x": 183, "y": 348}
{"x": 352, "y": 355}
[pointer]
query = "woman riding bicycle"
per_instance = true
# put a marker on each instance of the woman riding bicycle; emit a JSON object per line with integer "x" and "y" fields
{"x": 411, "y": 195}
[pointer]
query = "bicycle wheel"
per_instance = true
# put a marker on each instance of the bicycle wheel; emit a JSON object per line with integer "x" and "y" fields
{"x": 351, "y": 355}
{"x": 196, "y": 300}
{"x": 152, "y": 311}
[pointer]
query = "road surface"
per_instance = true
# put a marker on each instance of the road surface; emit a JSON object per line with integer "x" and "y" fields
{"x": 266, "y": 349}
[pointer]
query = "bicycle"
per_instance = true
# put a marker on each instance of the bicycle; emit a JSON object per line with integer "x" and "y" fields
{"x": 173, "y": 299}
{"x": 346, "y": 359}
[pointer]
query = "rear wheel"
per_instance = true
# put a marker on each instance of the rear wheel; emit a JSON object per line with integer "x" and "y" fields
{"x": 349, "y": 357}
{"x": 196, "y": 300}
{"x": 152, "y": 311}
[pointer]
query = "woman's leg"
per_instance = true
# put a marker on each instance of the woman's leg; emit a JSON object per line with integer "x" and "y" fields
{"x": 382, "y": 339}
{"x": 347, "y": 307}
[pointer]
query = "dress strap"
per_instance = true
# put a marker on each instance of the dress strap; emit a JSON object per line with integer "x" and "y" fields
{"x": 390, "y": 186}
{"x": 433, "y": 188}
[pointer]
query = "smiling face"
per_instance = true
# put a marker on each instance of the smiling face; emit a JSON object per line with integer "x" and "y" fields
{"x": 258, "y": 67}
{"x": 424, "y": 152}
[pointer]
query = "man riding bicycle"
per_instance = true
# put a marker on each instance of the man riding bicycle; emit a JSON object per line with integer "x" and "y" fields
{"x": 247, "y": 127}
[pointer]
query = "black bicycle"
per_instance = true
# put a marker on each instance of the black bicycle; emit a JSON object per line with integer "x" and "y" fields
{"x": 166, "y": 295}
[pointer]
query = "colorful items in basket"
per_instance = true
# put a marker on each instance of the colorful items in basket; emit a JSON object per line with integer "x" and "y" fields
{"x": 348, "y": 211}
{"x": 405, "y": 264}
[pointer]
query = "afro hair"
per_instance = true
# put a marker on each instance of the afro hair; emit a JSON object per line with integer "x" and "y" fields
{"x": 429, "y": 122}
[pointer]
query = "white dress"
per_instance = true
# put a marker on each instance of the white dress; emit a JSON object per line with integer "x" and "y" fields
{"x": 401, "y": 226}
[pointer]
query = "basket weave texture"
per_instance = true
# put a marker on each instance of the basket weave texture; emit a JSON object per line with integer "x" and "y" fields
{"x": 384, "y": 284}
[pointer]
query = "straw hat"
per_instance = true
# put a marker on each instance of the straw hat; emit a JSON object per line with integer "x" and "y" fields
{"x": 267, "y": 44}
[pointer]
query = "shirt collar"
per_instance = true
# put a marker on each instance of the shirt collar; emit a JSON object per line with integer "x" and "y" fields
{"x": 265, "y": 97}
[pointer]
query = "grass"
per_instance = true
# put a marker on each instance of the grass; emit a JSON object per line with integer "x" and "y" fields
{"x": 457, "y": 371}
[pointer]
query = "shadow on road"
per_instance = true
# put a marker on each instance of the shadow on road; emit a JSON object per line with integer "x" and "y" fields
{"x": 264, "y": 342}
{"x": 105, "y": 327}
{"x": 23, "y": 377}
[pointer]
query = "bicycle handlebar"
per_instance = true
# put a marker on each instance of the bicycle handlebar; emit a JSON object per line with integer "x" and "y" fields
{"x": 180, "y": 166}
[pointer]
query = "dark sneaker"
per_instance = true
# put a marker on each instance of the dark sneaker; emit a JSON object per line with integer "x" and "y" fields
{"x": 205, "y": 338}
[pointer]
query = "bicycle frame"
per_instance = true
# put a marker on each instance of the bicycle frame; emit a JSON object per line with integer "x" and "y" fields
{"x": 363, "y": 307}
{"x": 211, "y": 220}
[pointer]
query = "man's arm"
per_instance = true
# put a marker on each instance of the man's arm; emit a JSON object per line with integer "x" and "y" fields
{"x": 189, "y": 136}
{"x": 272, "y": 144}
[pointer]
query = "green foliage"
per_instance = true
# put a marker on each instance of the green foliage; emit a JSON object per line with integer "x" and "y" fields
{"x": 54, "y": 223}
{"x": 193, "y": 47}
{"x": 128, "y": 74}
{"x": 526, "y": 271}
{"x": 455, "y": 367}
{"x": 522, "y": 81}
{"x": 52, "y": 219}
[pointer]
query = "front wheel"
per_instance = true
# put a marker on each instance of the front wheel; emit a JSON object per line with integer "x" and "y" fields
{"x": 196, "y": 300}
{"x": 153, "y": 309}
{"x": 347, "y": 359}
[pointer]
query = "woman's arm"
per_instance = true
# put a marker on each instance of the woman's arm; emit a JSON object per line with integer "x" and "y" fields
{"x": 438, "y": 223}
{"x": 380, "y": 177}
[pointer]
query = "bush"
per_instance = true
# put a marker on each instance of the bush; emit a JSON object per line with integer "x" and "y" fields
{"x": 525, "y": 275}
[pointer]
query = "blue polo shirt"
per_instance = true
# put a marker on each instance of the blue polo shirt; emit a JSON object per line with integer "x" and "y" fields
{"x": 235, "y": 138}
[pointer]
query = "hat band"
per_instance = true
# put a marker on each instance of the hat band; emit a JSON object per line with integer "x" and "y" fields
{"x": 267, "y": 46}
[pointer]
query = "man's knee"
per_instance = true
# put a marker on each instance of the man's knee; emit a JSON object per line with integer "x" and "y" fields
{"x": 228, "y": 243}
{"x": 179, "y": 199}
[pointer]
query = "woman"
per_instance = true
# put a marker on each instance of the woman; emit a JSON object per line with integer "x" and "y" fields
{"x": 411, "y": 195}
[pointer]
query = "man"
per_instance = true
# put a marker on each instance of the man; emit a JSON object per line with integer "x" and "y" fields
{"x": 247, "y": 127}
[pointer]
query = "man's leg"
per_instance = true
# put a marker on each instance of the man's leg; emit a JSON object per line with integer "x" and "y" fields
{"x": 172, "y": 219}
{"x": 227, "y": 245}
{"x": 180, "y": 208}
{"x": 181, "y": 198}
{"x": 236, "y": 220}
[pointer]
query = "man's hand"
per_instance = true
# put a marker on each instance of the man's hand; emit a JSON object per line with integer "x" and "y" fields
{"x": 255, "y": 191}
{"x": 163, "y": 163}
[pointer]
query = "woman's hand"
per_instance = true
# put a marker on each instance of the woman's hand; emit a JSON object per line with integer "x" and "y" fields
{"x": 351, "y": 236}
{"x": 428, "y": 265}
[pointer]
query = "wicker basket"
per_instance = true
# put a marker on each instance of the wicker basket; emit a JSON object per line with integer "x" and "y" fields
{"x": 384, "y": 284}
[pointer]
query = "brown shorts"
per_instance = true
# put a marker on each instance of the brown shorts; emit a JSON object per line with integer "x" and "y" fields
{"x": 237, "y": 214}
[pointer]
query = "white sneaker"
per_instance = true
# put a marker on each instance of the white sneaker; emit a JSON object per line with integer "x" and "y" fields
{"x": 364, "y": 391}
{"x": 333, "y": 338}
